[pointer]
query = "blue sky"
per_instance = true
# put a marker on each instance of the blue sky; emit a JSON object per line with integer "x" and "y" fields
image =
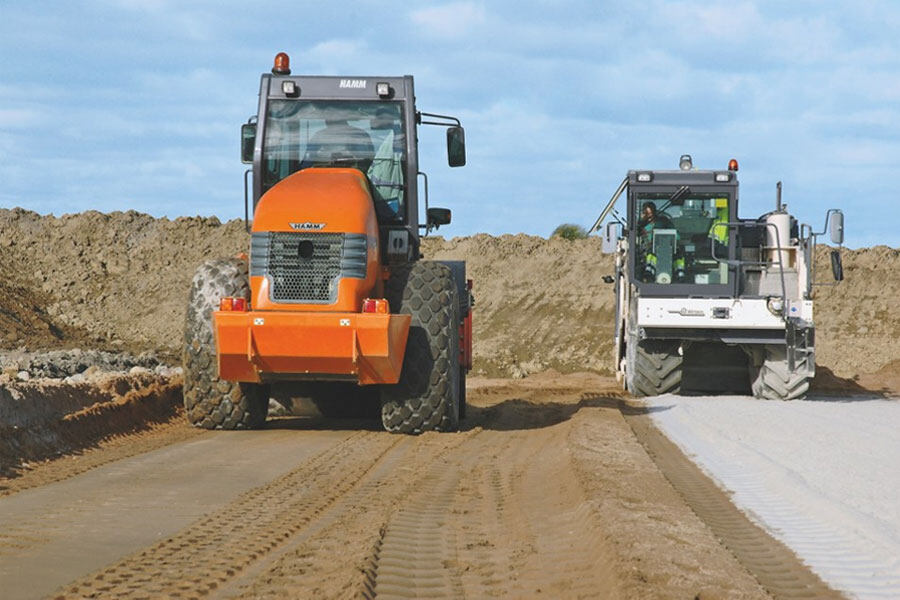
{"x": 137, "y": 104}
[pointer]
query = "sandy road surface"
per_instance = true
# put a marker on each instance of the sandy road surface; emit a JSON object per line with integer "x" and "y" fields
{"x": 546, "y": 492}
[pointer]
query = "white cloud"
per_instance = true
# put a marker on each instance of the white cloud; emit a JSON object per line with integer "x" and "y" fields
{"x": 449, "y": 21}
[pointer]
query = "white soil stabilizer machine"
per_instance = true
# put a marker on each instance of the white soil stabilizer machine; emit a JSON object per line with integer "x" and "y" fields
{"x": 707, "y": 301}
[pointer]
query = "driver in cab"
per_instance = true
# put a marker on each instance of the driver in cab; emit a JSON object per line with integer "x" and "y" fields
{"x": 342, "y": 145}
{"x": 652, "y": 219}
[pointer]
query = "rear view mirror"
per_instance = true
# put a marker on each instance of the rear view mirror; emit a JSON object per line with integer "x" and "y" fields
{"x": 837, "y": 228}
{"x": 837, "y": 267}
{"x": 438, "y": 217}
{"x": 456, "y": 146}
{"x": 611, "y": 237}
{"x": 248, "y": 141}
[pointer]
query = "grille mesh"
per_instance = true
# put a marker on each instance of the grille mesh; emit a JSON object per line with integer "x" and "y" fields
{"x": 306, "y": 267}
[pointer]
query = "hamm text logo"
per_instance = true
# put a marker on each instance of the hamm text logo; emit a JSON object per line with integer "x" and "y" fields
{"x": 314, "y": 226}
{"x": 355, "y": 84}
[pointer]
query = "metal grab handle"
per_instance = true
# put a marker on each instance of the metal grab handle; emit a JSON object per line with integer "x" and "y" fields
{"x": 246, "y": 202}
{"x": 425, "y": 226}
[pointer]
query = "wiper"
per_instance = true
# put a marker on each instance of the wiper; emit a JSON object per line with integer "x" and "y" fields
{"x": 679, "y": 194}
{"x": 385, "y": 183}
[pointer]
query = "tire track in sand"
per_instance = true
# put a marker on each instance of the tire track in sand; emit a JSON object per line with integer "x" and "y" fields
{"x": 772, "y": 563}
{"x": 205, "y": 556}
{"x": 505, "y": 516}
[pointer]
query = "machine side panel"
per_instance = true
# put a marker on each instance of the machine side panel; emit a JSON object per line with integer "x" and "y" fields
{"x": 708, "y": 313}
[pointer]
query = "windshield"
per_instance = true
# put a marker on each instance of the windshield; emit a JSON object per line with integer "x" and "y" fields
{"x": 676, "y": 240}
{"x": 368, "y": 136}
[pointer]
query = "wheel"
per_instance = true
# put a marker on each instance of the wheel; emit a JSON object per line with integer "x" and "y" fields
{"x": 426, "y": 398}
{"x": 772, "y": 380}
{"x": 210, "y": 402}
{"x": 653, "y": 367}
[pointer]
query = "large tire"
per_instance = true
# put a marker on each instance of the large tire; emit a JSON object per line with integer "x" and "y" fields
{"x": 210, "y": 402}
{"x": 654, "y": 367}
{"x": 772, "y": 380}
{"x": 427, "y": 396}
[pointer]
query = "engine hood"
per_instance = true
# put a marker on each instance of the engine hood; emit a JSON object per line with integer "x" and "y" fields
{"x": 317, "y": 199}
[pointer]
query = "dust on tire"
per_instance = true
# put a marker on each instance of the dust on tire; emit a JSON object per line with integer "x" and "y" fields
{"x": 656, "y": 367}
{"x": 210, "y": 402}
{"x": 773, "y": 380}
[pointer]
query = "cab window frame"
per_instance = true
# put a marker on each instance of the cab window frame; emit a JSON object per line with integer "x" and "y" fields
{"x": 701, "y": 290}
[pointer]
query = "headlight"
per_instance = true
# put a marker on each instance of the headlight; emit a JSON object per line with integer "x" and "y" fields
{"x": 775, "y": 306}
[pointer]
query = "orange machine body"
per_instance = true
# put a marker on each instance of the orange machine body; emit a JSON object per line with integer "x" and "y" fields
{"x": 331, "y": 340}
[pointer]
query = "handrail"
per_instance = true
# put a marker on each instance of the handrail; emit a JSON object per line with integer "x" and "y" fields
{"x": 419, "y": 116}
{"x": 426, "y": 226}
{"x": 246, "y": 206}
{"x": 609, "y": 206}
{"x": 740, "y": 263}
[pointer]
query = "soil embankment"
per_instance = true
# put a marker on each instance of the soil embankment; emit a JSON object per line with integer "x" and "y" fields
{"x": 119, "y": 282}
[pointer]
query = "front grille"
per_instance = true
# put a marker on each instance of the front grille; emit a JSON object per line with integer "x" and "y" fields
{"x": 306, "y": 267}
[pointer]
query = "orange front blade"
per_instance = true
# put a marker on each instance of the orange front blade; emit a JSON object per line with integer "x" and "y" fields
{"x": 368, "y": 347}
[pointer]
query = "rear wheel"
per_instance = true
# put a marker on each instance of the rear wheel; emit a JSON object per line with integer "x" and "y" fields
{"x": 210, "y": 402}
{"x": 773, "y": 380}
{"x": 654, "y": 367}
{"x": 427, "y": 396}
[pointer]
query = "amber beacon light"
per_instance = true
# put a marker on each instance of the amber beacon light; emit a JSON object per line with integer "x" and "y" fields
{"x": 282, "y": 64}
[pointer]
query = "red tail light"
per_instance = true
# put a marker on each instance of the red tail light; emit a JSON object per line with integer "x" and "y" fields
{"x": 230, "y": 303}
{"x": 376, "y": 305}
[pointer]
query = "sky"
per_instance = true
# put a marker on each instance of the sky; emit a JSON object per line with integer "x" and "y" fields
{"x": 137, "y": 104}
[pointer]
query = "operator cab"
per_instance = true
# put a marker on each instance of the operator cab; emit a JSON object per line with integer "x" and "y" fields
{"x": 678, "y": 223}
{"x": 365, "y": 135}
{"x": 366, "y": 123}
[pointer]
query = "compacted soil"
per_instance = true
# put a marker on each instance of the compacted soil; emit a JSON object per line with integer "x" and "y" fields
{"x": 546, "y": 492}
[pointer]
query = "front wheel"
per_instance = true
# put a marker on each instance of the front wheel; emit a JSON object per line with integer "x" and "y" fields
{"x": 427, "y": 396}
{"x": 210, "y": 402}
{"x": 774, "y": 380}
{"x": 653, "y": 367}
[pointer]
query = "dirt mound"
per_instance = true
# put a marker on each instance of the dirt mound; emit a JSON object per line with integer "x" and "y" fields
{"x": 539, "y": 303}
{"x": 119, "y": 281}
{"x": 858, "y": 326}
